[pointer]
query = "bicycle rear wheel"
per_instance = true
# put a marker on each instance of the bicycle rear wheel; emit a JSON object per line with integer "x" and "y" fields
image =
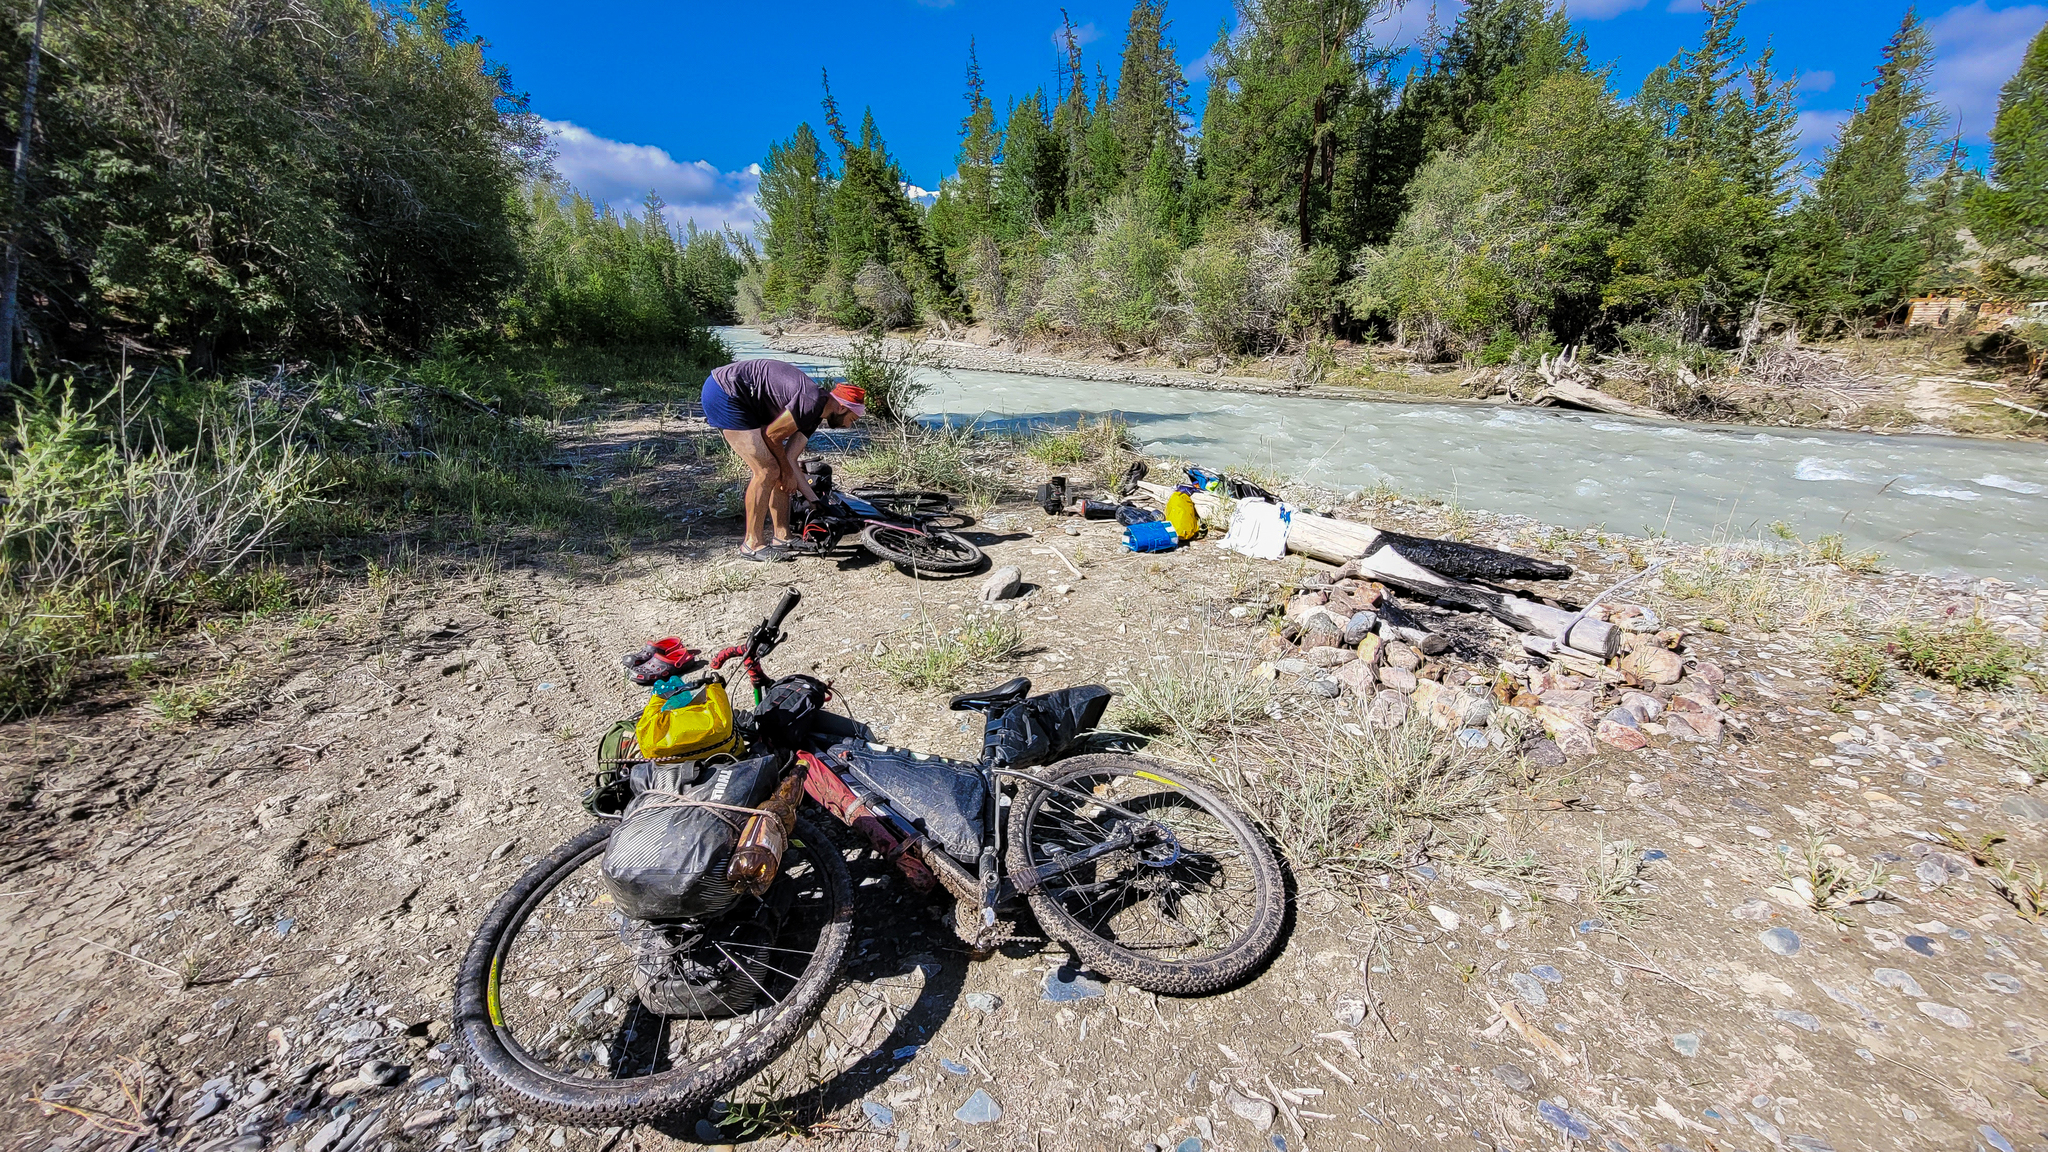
{"x": 545, "y": 1003}
{"x": 1187, "y": 919}
{"x": 936, "y": 553}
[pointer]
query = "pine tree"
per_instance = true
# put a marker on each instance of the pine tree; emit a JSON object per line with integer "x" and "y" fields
{"x": 980, "y": 150}
{"x": 1031, "y": 184}
{"x": 1276, "y": 99}
{"x": 795, "y": 191}
{"x": 1856, "y": 248}
{"x": 1151, "y": 91}
{"x": 2010, "y": 216}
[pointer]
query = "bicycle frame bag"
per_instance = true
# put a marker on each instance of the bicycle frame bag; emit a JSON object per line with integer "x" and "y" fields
{"x": 945, "y": 799}
{"x": 666, "y": 860}
{"x": 697, "y": 725}
{"x": 1044, "y": 727}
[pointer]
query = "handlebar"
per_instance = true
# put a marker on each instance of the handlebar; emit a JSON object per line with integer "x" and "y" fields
{"x": 789, "y": 598}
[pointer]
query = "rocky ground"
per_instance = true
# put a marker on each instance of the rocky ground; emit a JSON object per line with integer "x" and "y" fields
{"x": 1780, "y": 927}
{"x": 1919, "y": 383}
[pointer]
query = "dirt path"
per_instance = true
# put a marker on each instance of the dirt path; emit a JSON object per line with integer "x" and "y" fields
{"x": 241, "y": 934}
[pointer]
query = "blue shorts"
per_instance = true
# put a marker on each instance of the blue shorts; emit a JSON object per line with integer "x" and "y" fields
{"x": 720, "y": 411}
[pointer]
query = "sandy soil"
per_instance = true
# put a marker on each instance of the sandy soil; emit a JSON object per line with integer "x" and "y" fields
{"x": 217, "y": 929}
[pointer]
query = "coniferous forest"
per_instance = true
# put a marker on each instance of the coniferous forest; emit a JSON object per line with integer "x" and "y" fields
{"x": 1489, "y": 194}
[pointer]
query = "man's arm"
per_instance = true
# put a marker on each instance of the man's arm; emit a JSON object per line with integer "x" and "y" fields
{"x": 788, "y": 445}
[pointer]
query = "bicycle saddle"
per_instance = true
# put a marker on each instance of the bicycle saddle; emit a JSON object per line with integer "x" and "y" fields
{"x": 995, "y": 699}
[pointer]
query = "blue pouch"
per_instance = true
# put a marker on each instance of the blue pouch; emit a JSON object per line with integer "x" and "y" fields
{"x": 1156, "y": 536}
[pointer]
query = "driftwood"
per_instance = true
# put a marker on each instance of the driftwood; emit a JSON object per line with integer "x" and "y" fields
{"x": 1570, "y": 384}
{"x": 1398, "y": 560}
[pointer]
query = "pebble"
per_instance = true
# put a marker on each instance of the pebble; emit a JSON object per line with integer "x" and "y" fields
{"x": 1562, "y": 1120}
{"x": 1543, "y": 753}
{"x": 1399, "y": 679}
{"x": 1994, "y": 1137}
{"x": 1472, "y": 737}
{"x": 1686, "y": 1043}
{"x": 1783, "y": 941}
{"x": 880, "y": 1115}
{"x": 1002, "y": 584}
{"x": 1191, "y": 1144}
{"x": 1399, "y": 655}
{"x": 2001, "y": 982}
{"x": 954, "y": 1066}
{"x": 1529, "y": 989}
{"x": 1327, "y": 689}
{"x": 260, "y": 1090}
{"x": 382, "y": 1073}
{"x": 1064, "y": 984}
{"x": 1445, "y": 917}
{"x": 1797, "y": 1019}
{"x": 328, "y": 1134}
{"x": 1329, "y": 657}
{"x": 1953, "y": 1017}
{"x": 1547, "y": 974}
{"x": 1923, "y": 945}
{"x": 1514, "y": 1077}
{"x": 1292, "y": 666}
{"x": 983, "y": 1002}
{"x": 1255, "y": 1112}
{"x": 2025, "y": 807}
{"x": 981, "y": 1108}
{"x": 1350, "y": 1013}
{"x": 208, "y": 1104}
{"x": 1903, "y": 981}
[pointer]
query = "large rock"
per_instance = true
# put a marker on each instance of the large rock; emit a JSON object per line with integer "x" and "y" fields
{"x": 1002, "y": 584}
{"x": 1357, "y": 678}
{"x": 1369, "y": 649}
{"x": 1389, "y": 709}
{"x": 1622, "y": 736}
{"x": 1301, "y": 607}
{"x": 1647, "y": 665}
{"x": 1402, "y": 656}
{"x": 1329, "y": 657}
{"x": 1398, "y": 679}
{"x": 1360, "y": 626}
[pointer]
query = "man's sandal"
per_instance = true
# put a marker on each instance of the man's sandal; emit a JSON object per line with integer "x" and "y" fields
{"x": 767, "y": 554}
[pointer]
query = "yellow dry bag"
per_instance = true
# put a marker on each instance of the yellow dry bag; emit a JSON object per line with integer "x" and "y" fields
{"x": 699, "y": 725}
{"x": 1180, "y": 512}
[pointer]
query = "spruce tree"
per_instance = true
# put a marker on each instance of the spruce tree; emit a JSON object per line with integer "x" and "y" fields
{"x": 2009, "y": 217}
{"x": 1031, "y": 185}
{"x": 979, "y": 152}
{"x": 1151, "y": 91}
{"x": 1856, "y": 248}
{"x": 795, "y": 191}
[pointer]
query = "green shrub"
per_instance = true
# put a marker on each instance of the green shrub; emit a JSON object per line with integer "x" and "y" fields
{"x": 891, "y": 374}
{"x": 1967, "y": 655}
{"x": 1858, "y": 670}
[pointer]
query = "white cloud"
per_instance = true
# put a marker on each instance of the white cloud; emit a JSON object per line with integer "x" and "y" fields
{"x": 1817, "y": 81}
{"x": 1976, "y": 51}
{"x": 1198, "y": 69}
{"x": 620, "y": 175}
{"x": 1818, "y": 129}
{"x": 1084, "y": 35}
{"x": 1407, "y": 23}
{"x": 1604, "y": 9}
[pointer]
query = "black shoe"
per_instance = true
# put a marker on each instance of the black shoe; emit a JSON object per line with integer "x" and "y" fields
{"x": 1128, "y": 483}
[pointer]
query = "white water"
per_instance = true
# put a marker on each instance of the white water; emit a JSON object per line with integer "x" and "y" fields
{"x": 1937, "y": 504}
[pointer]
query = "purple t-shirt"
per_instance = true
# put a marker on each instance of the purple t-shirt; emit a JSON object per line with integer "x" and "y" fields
{"x": 764, "y": 389}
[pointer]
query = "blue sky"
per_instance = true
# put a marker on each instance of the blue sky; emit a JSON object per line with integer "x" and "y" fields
{"x": 685, "y": 98}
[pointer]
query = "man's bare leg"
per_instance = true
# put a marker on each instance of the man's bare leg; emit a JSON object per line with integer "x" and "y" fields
{"x": 763, "y": 484}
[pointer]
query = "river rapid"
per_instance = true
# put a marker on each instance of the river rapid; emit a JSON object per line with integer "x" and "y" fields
{"x": 1937, "y": 504}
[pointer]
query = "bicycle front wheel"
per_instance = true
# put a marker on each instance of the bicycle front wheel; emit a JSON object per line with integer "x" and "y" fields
{"x": 936, "y": 553}
{"x": 1189, "y": 914}
{"x": 546, "y": 1006}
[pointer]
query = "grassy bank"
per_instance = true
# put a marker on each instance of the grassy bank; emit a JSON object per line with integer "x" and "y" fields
{"x": 138, "y": 506}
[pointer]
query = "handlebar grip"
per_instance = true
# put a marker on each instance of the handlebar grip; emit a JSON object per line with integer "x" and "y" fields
{"x": 789, "y": 599}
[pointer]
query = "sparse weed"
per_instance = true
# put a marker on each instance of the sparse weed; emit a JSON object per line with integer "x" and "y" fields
{"x": 1188, "y": 697}
{"x": 1614, "y": 882}
{"x": 719, "y": 581}
{"x": 1825, "y": 880}
{"x": 947, "y": 459}
{"x": 1347, "y": 799}
{"x": 1857, "y": 669}
{"x": 1967, "y": 654}
{"x": 183, "y": 703}
{"x": 940, "y": 660}
{"x": 2024, "y": 887}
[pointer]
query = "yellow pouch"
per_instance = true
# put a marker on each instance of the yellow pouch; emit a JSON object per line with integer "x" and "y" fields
{"x": 703, "y": 727}
{"x": 1180, "y": 512}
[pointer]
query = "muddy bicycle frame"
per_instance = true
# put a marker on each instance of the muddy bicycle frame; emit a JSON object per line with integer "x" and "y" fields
{"x": 897, "y": 839}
